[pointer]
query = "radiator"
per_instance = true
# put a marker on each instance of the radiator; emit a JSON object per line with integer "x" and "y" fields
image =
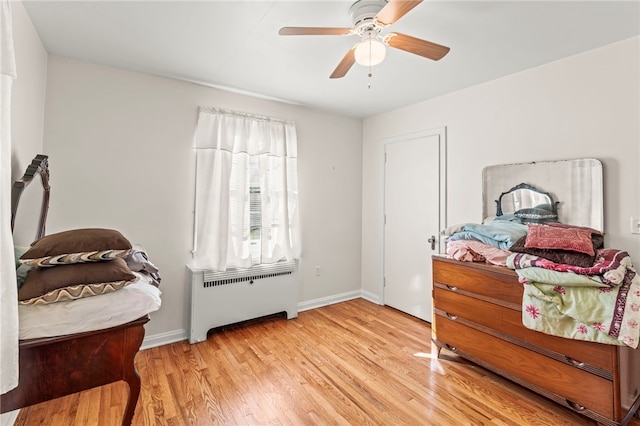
{"x": 223, "y": 298}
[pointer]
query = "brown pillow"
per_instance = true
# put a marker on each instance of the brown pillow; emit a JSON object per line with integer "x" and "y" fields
{"x": 77, "y": 246}
{"x": 68, "y": 282}
{"x": 565, "y": 257}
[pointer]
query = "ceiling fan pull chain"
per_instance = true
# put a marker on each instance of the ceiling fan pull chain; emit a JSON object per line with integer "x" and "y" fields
{"x": 369, "y": 84}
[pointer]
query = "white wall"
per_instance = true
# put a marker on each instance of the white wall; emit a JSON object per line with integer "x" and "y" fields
{"x": 27, "y": 114}
{"x": 120, "y": 152}
{"x": 585, "y": 106}
{"x": 28, "y": 93}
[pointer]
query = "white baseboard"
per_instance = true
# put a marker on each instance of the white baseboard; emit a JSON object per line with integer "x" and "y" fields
{"x": 371, "y": 297}
{"x": 160, "y": 339}
{"x": 329, "y": 300}
{"x": 9, "y": 418}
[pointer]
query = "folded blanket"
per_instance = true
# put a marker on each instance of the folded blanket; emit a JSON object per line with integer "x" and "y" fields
{"x": 609, "y": 268}
{"x": 475, "y": 251}
{"x": 500, "y": 234}
{"x": 534, "y": 275}
{"x": 583, "y": 307}
{"x": 605, "y": 315}
{"x": 138, "y": 261}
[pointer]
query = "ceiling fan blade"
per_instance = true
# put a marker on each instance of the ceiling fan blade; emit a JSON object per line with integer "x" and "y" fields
{"x": 395, "y": 10}
{"x": 345, "y": 64}
{"x": 314, "y": 31}
{"x": 416, "y": 46}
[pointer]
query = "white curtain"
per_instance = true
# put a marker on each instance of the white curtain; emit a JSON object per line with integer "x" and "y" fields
{"x": 228, "y": 144}
{"x": 8, "y": 287}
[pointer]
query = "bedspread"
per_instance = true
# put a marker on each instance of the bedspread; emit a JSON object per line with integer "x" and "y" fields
{"x": 607, "y": 313}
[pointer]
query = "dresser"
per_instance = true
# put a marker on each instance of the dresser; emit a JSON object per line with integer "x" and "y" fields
{"x": 477, "y": 315}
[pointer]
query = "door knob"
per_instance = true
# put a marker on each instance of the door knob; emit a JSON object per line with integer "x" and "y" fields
{"x": 432, "y": 240}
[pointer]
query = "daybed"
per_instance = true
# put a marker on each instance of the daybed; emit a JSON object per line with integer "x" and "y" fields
{"x": 73, "y": 345}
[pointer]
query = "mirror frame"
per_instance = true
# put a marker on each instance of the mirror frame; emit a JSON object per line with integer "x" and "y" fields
{"x": 39, "y": 166}
{"x": 552, "y": 202}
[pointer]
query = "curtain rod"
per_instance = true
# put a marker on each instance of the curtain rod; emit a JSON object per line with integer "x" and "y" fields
{"x": 214, "y": 110}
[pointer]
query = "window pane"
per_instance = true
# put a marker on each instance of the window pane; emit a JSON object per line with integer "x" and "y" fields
{"x": 255, "y": 211}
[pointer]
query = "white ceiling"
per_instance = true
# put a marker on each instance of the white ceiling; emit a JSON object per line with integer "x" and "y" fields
{"x": 235, "y": 44}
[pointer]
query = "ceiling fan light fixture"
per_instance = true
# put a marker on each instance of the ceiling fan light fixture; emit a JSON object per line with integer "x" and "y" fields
{"x": 370, "y": 52}
{"x": 370, "y": 18}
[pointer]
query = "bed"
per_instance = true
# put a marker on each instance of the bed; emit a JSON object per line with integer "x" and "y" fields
{"x": 74, "y": 345}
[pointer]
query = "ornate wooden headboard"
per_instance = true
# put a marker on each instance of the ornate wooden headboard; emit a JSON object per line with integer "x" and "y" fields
{"x": 39, "y": 166}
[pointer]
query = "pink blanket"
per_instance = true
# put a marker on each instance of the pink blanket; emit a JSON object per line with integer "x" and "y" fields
{"x": 475, "y": 251}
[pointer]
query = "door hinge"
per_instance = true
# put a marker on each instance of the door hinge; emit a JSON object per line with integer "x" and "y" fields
{"x": 384, "y": 281}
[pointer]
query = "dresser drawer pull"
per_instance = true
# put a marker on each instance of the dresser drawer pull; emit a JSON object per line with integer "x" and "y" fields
{"x": 452, "y": 288}
{"x": 451, "y": 316}
{"x": 575, "y": 363}
{"x": 451, "y": 348}
{"x": 575, "y": 406}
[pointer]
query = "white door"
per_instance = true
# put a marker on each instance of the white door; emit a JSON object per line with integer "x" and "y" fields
{"x": 412, "y": 211}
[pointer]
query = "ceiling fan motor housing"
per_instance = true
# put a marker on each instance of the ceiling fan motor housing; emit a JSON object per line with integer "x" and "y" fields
{"x": 363, "y": 12}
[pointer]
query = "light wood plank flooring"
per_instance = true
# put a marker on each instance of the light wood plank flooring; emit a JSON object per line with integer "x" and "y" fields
{"x": 352, "y": 363}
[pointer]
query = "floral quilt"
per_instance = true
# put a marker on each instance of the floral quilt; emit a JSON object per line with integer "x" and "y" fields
{"x": 603, "y": 307}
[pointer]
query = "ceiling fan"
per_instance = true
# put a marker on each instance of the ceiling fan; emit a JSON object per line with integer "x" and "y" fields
{"x": 370, "y": 18}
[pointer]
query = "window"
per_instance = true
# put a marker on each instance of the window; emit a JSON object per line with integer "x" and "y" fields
{"x": 246, "y": 209}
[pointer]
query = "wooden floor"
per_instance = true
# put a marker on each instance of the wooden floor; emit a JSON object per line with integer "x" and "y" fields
{"x": 352, "y": 363}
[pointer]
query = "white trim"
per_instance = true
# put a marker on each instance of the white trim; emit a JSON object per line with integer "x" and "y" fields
{"x": 161, "y": 339}
{"x": 329, "y": 300}
{"x": 229, "y": 89}
{"x": 441, "y": 133}
{"x": 371, "y": 297}
{"x": 9, "y": 418}
{"x": 443, "y": 187}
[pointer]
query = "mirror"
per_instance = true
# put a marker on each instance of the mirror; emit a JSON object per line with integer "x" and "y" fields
{"x": 33, "y": 214}
{"x": 523, "y": 198}
{"x": 571, "y": 189}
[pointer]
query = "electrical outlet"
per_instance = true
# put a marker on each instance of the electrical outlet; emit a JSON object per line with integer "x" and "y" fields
{"x": 635, "y": 225}
{"x": 317, "y": 271}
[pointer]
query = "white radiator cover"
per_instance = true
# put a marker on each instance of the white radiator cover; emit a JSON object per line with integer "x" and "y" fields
{"x": 223, "y": 298}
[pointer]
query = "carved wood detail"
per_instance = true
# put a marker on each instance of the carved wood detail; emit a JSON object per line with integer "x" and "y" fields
{"x": 57, "y": 366}
{"x": 39, "y": 166}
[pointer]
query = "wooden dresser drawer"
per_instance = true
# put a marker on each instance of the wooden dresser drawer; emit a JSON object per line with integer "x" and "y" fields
{"x": 492, "y": 283}
{"x": 514, "y": 362}
{"x": 478, "y": 313}
{"x": 509, "y": 322}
